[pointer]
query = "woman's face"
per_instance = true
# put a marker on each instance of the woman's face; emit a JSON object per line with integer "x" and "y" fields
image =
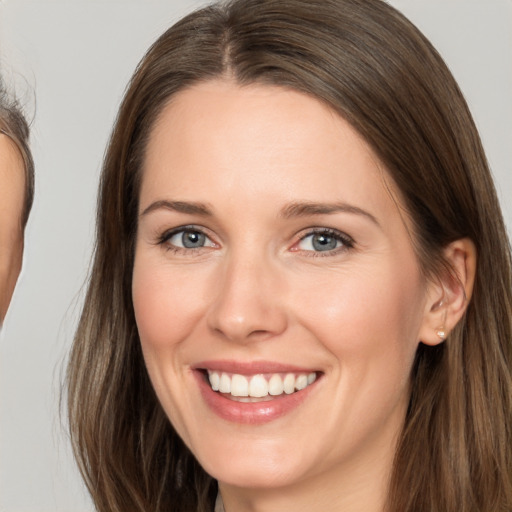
{"x": 272, "y": 256}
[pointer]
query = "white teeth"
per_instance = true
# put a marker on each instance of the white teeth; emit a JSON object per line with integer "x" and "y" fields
{"x": 239, "y": 385}
{"x": 289, "y": 383}
{"x": 259, "y": 386}
{"x": 214, "y": 380}
{"x": 275, "y": 385}
{"x": 225, "y": 384}
{"x": 301, "y": 382}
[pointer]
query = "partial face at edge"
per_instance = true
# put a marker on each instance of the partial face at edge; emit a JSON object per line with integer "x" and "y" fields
{"x": 12, "y": 193}
{"x": 269, "y": 244}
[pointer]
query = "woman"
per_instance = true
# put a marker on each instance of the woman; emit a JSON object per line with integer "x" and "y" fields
{"x": 16, "y": 194}
{"x": 301, "y": 291}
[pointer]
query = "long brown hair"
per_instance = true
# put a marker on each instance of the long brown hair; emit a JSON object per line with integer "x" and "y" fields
{"x": 373, "y": 67}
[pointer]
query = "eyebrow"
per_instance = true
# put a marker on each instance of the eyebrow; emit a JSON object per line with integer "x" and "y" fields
{"x": 179, "y": 206}
{"x": 304, "y": 209}
{"x": 292, "y": 210}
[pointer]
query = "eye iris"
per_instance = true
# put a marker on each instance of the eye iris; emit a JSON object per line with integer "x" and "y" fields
{"x": 192, "y": 239}
{"x": 324, "y": 242}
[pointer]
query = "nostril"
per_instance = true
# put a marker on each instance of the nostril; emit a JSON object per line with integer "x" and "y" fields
{"x": 244, "y": 330}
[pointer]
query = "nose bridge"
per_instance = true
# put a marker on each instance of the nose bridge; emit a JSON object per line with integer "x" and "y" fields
{"x": 248, "y": 304}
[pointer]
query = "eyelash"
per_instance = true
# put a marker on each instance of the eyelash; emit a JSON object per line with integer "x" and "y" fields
{"x": 346, "y": 241}
{"x": 167, "y": 235}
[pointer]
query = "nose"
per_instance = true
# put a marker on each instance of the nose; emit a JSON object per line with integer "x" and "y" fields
{"x": 249, "y": 303}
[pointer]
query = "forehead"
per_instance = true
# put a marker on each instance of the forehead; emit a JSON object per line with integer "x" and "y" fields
{"x": 255, "y": 115}
{"x": 259, "y": 141}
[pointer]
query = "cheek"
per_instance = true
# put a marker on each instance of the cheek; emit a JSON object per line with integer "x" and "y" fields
{"x": 167, "y": 304}
{"x": 368, "y": 322}
{"x": 369, "y": 318}
{"x": 167, "y": 310}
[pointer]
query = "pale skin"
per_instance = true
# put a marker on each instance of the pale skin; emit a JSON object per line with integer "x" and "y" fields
{"x": 249, "y": 162}
{"x": 12, "y": 190}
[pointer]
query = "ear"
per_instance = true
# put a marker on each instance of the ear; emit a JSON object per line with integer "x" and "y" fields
{"x": 449, "y": 294}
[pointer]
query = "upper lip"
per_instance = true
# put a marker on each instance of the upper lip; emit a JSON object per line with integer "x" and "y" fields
{"x": 250, "y": 367}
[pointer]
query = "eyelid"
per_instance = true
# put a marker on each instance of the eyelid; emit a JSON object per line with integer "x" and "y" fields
{"x": 164, "y": 238}
{"x": 346, "y": 240}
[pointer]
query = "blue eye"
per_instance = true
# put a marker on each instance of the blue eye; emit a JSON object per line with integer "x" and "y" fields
{"x": 188, "y": 239}
{"x": 324, "y": 241}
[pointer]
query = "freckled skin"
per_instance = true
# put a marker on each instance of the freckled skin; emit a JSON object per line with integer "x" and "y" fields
{"x": 12, "y": 184}
{"x": 259, "y": 291}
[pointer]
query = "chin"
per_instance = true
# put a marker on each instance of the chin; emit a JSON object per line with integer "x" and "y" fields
{"x": 262, "y": 477}
{"x": 261, "y": 466}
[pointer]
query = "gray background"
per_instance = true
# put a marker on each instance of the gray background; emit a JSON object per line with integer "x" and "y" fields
{"x": 75, "y": 57}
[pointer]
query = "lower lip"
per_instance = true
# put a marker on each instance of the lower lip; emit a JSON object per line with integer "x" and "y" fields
{"x": 251, "y": 412}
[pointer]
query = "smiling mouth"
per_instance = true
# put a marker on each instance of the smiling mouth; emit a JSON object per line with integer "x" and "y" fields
{"x": 258, "y": 387}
